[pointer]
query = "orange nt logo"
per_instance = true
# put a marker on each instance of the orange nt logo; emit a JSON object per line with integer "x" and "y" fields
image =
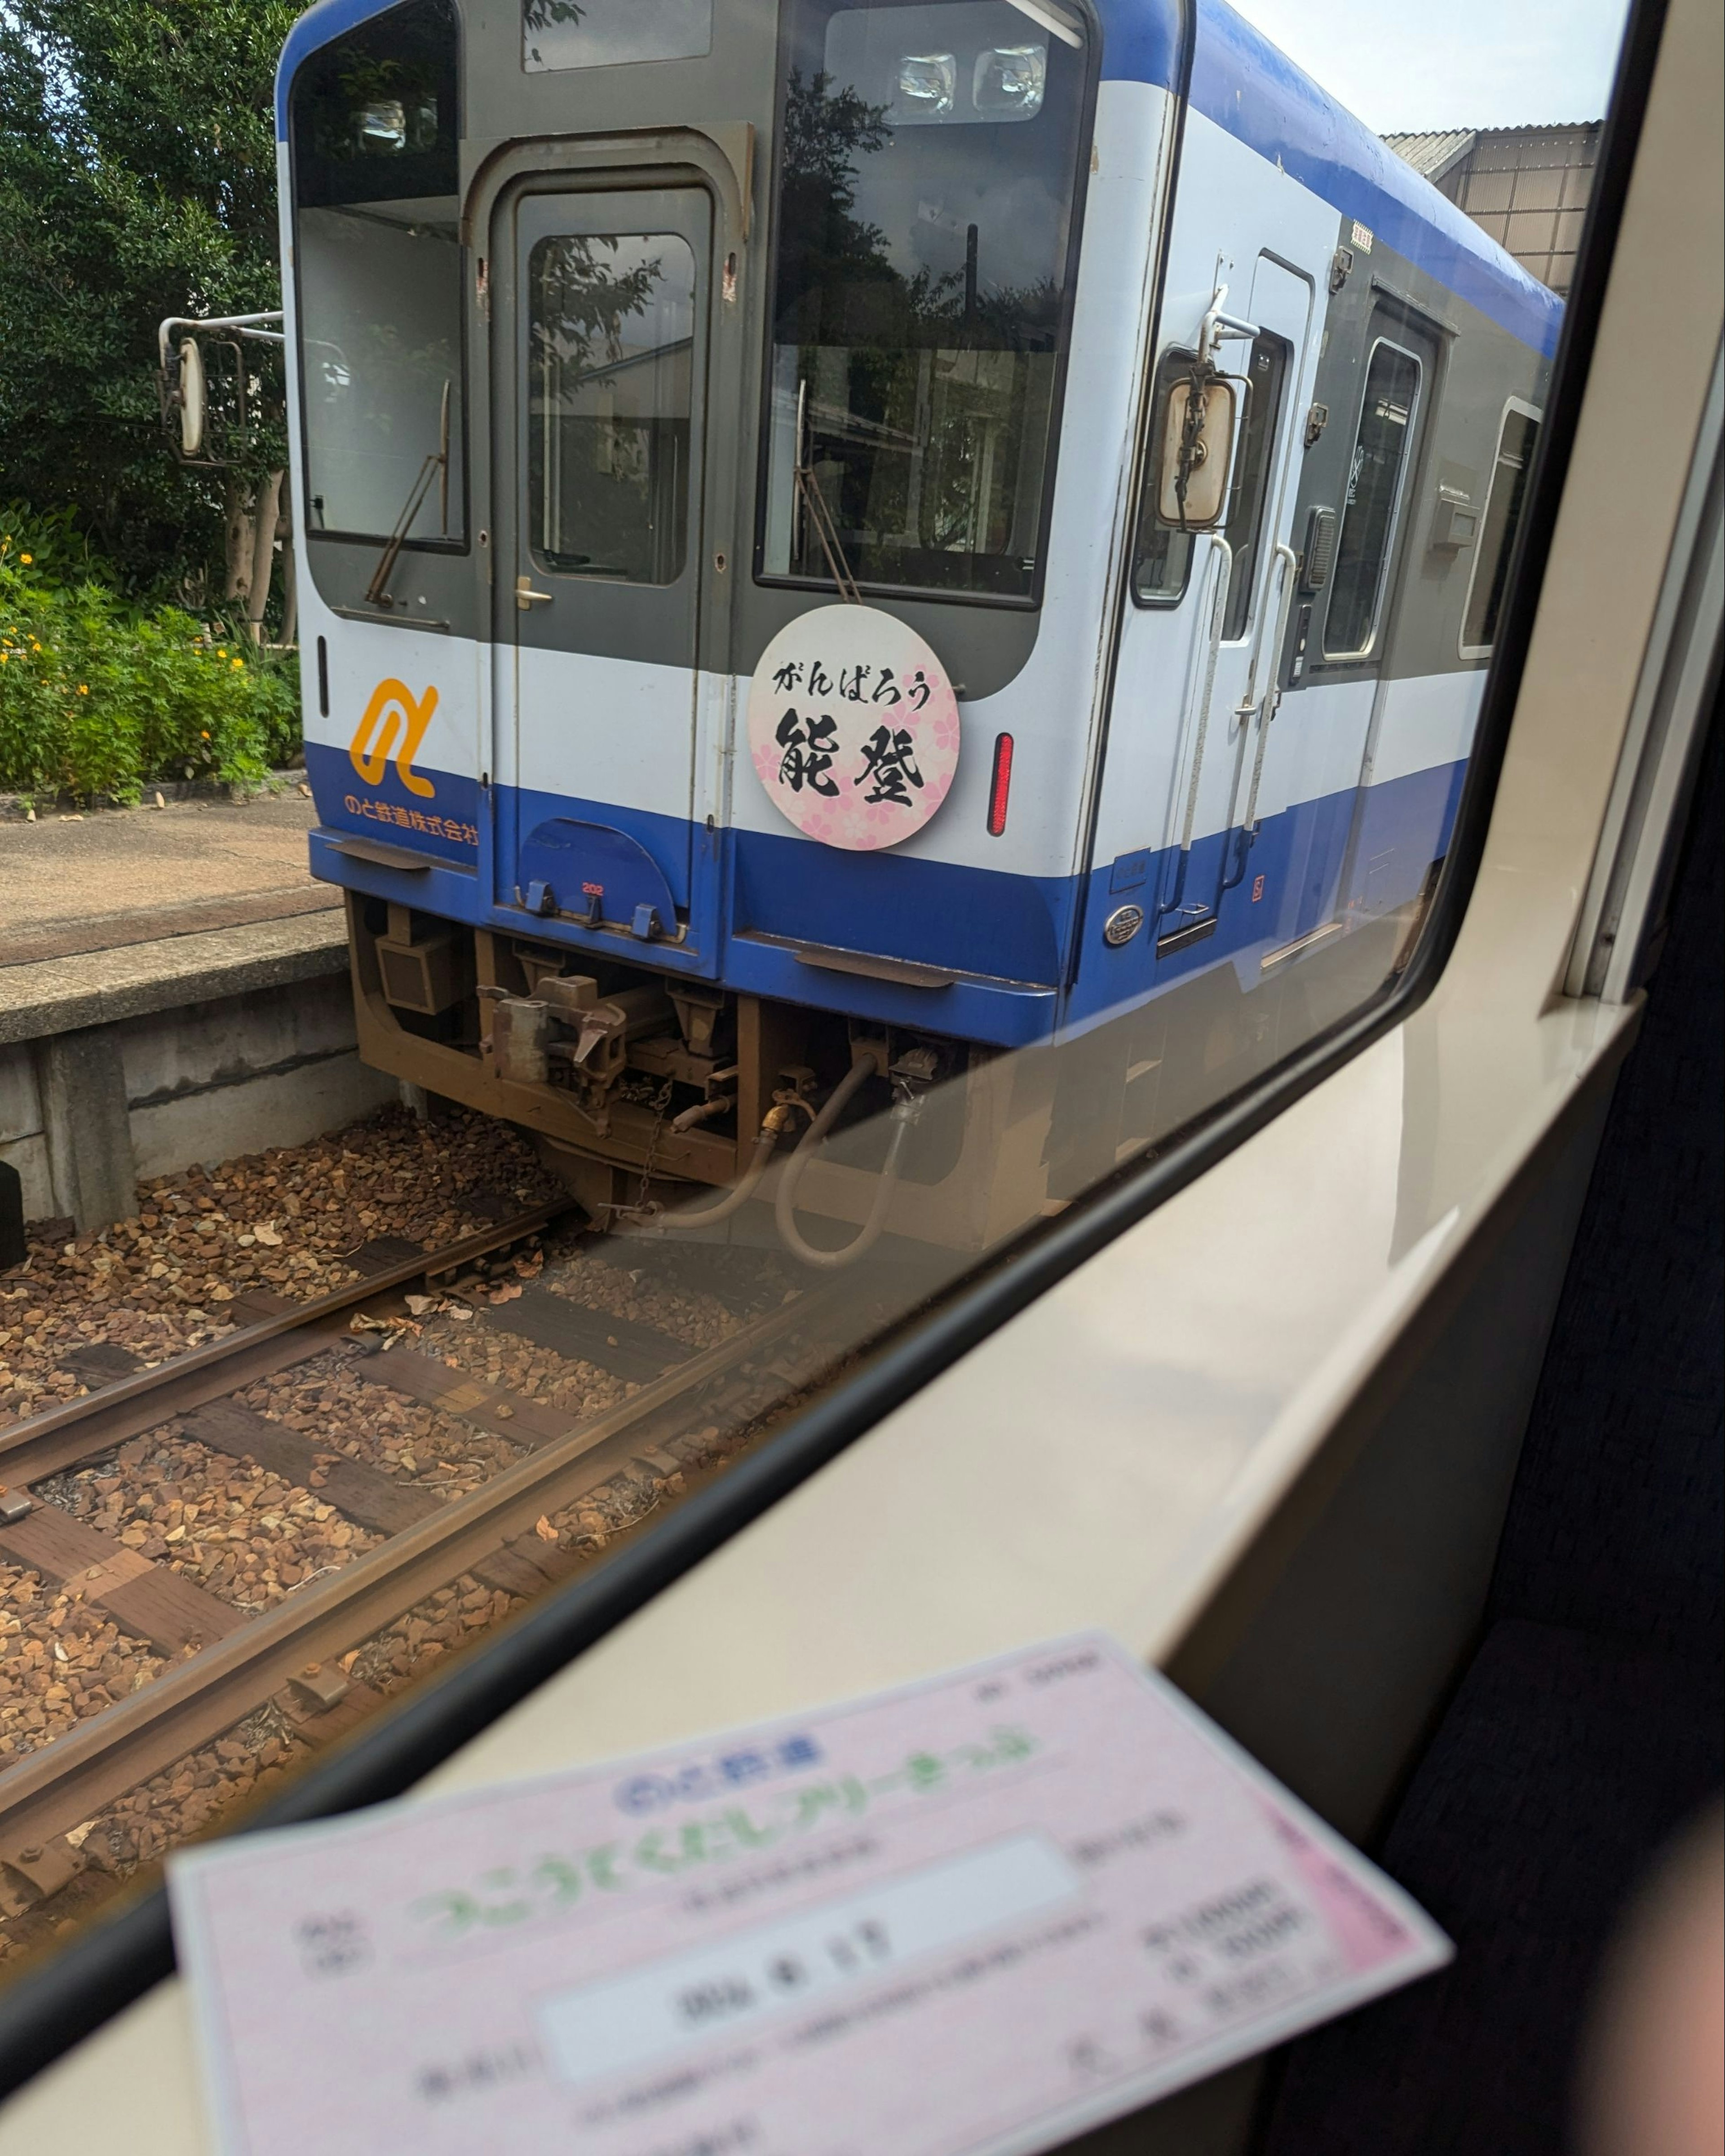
{"x": 393, "y": 726}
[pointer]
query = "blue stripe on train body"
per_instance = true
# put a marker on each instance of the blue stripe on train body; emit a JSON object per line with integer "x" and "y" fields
{"x": 1014, "y": 935}
{"x": 1288, "y": 886}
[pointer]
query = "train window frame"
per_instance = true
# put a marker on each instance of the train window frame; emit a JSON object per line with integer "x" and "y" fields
{"x": 1084, "y": 20}
{"x": 1503, "y": 556}
{"x": 92, "y": 1979}
{"x": 1355, "y": 654}
{"x": 461, "y": 543}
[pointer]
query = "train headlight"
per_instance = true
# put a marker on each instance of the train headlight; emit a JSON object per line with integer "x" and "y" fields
{"x": 1010, "y": 81}
{"x": 927, "y": 84}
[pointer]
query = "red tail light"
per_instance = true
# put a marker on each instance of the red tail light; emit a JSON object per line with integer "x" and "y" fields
{"x": 1000, "y": 786}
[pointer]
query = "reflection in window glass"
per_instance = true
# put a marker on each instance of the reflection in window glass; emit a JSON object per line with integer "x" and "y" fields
{"x": 379, "y": 262}
{"x": 1374, "y": 481}
{"x": 611, "y": 344}
{"x": 583, "y": 33}
{"x": 1161, "y": 557}
{"x": 926, "y": 191}
{"x": 1497, "y": 531}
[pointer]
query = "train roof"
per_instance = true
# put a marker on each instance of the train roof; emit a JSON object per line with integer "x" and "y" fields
{"x": 1252, "y": 89}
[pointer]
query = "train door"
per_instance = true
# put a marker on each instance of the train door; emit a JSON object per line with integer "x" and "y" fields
{"x": 1237, "y": 586}
{"x": 1356, "y": 529}
{"x": 600, "y": 305}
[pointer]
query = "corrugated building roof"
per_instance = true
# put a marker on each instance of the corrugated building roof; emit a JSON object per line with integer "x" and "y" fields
{"x": 1432, "y": 155}
{"x": 1526, "y": 186}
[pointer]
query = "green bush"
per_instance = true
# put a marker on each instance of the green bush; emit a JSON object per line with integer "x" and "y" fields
{"x": 100, "y": 696}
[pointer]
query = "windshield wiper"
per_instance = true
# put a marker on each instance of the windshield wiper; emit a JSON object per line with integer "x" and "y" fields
{"x": 437, "y": 463}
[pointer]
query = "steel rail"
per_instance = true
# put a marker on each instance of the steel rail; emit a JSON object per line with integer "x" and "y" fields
{"x": 70, "y": 1779}
{"x": 47, "y": 1443}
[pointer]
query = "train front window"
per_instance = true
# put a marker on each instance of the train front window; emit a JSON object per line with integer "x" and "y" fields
{"x": 927, "y": 173}
{"x": 379, "y": 278}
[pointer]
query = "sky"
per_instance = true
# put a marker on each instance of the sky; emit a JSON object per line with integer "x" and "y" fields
{"x": 1403, "y": 66}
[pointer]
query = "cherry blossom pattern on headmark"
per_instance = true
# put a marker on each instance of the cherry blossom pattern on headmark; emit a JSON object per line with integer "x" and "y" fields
{"x": 853, "y": 727}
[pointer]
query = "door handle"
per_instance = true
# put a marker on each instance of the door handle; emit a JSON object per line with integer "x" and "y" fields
{"x": 526, "y": 596}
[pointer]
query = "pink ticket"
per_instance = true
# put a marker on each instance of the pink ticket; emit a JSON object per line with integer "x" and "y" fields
{"x": 968, "y": 1917}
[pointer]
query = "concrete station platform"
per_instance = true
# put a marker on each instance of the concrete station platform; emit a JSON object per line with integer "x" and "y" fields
{"x": 144, "y": 954}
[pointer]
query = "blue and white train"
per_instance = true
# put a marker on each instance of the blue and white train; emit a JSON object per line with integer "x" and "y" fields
{"x": 837, "y": 539}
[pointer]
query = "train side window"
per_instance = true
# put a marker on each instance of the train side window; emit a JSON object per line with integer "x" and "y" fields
{"x": 1266, "y": 370}
{"x": 1161, "y": 557}
{"x": 1516, "y": 441}
{"x": 611, "y": 329}
{"x": 1375, "y": 479}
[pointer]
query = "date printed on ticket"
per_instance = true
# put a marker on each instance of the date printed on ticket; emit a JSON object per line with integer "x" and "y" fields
{"x": 971, "y": 1916}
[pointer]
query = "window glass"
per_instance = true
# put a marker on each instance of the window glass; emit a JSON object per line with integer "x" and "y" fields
{"x": 726, "y": 1103}
{"x": 379, "y": 263}
{"x": 925, "y": 210}
{"x": 581, "y": 33}
{"x": 611, "y": 343}
{"x": 1374, "y": 484}
{"x": 1253, "y": 466}
{"x": 1497, "y": 531}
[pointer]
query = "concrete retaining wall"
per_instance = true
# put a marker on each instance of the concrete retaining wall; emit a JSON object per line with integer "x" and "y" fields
{"x": 171, "y": 1074}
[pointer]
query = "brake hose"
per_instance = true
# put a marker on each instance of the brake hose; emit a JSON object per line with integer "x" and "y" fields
{"x": 785, "y": 1205}
{"x": 734, "y": 1200}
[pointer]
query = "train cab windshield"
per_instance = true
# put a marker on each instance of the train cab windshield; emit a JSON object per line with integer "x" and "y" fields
{"x": 927, "y": 175}
{"x": 374, "y": 134}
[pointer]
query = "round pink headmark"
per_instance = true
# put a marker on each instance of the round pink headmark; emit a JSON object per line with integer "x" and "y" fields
{"x": 853, "y": 727}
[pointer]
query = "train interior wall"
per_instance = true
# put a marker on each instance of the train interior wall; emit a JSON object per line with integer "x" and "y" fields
{"x": 1586, "y": 1731}
{"x": 1491, "y": 1654}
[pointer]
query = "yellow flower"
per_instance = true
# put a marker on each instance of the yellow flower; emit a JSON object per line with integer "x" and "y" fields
{"x": 203, "y": 737}
{"x": 83, "y": 688}
{"x": 238, "y": 664}
{"x": 221, "y": 651}
{"x": 27, "y": 558}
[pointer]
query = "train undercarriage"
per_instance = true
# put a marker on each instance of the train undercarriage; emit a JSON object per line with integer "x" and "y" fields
{"x": 674, "y": 1104}
{"x": 647, "y": 1093}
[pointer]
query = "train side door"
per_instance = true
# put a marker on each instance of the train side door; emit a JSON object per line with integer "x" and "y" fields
{"x": 1238, "y": 589}
{"x": 1357, "y": 519}
{"x": 600, "y": 305}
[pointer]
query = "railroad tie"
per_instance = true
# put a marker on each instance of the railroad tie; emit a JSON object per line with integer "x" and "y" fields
{"x": 364, "y": 1495}
{"x": 434, "y": 1384}
{"x": 383, "y": 1253}
{"x": 100, "y": 1362}
{"x": 526, "y": 1566}
{"x": 618, "y": 1345}
{"x": 147, "y": 1600}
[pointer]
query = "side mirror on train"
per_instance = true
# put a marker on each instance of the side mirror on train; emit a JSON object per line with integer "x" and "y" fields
{"x": 1198, "y": 430}
{"x": 189, "y": 390}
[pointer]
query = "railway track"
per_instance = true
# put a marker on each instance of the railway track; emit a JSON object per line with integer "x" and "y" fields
{"x": 223, "y": 1663}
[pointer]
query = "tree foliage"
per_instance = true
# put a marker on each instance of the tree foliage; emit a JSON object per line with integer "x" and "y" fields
{"x": 100, "y": 696}
{"x": 137, "y": 180}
